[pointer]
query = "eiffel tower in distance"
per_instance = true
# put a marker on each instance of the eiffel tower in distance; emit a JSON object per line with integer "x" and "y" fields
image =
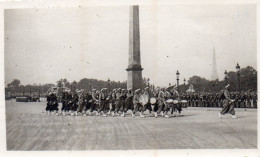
{"x": 214, "y": 72}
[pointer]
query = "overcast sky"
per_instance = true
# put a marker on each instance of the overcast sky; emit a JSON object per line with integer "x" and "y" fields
{"x": 45, "y": 45}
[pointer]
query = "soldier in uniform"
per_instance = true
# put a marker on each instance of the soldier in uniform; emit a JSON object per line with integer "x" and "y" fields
{"x": 48, "y": 107}
{"x": 148, "y": 105}
{"x": 112, "y": 102}
{"x": 178, "y": 106}
{"x": 161, "y": 102}
{"x": 102, "y": 101}
{"x": 81, "y": 103}
{"x": 128, "y": 101}
{"x": 228, "y": 106}
{"x": 122, "y": 102}
{"x": 154, "y": 107}
{"x": 136, "y": 102}
{"x": 167, "y": 95}
{"x": 52, "y": 104}
{"x": 118, "y": 102}
{"x": 88, "y": 101}
{"x": 66, "y": 102}
{"x": 94, "y": 101}
{"x": 75, "y": 100}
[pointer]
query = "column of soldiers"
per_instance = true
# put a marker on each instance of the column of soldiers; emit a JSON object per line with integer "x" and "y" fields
{"x": 119, "y": 101}
{"x": 115, "y": 103}
{"x": 241, "y": 100}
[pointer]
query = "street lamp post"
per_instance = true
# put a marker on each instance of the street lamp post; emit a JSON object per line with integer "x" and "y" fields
{"x": 238, "y": 76}
{"x": 177, "y": 75}
{"x": 226, "y": 77}
{"x": 148, "y": 81}
{"x": 108, "y": 85}
{"x": 39, "y": 90}
{"x": 184, "y": 81}
{"x": 90, "y": 86}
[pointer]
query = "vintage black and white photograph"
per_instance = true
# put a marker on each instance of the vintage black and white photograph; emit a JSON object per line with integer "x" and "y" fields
{"x": 131, "y": 77}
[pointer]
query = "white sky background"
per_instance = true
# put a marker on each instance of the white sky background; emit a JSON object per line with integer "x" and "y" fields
{"x": 45, "y": 45}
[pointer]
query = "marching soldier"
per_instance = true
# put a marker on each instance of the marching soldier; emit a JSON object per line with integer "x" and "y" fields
{"x": 66, "y": 102}
{"x": 122, "y": 102}
{"x": 146, "y": 106}
{"x": 136, "y": 102}
{"x": 102, "y": 101}
{"x": 119, "y": 102}
{"x": 161, "y": 101}
{"x": 154, "y": 106}
{"x": 48, "y": 107}
{"x": 74, "y": 103}
{"x": 166, "y": 96}
{"x": 81, "y": 103}
{"x": 128, "y": 101}
{"x": 178, "y": 106}
{"x": 228, "y": 106}
{"x": 94, "y": 101}
{"x": 52, "y": 104}
{"x": 112, "y": 102}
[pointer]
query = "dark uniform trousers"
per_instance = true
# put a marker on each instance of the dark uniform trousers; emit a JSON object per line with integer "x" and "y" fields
{"x": 82, "y": 106}
{"x": 161, "y": 106}
{"x": 112, "y": 104}
{"x": 228, "y": 107}
{"x": 128, "y": 105}
{"x": 102, "y": 105}
{"x": 137, "y": 106}
{"x": 118, "y": 105}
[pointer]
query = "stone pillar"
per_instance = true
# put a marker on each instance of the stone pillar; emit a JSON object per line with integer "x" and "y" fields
{"x": 134, "y": 69}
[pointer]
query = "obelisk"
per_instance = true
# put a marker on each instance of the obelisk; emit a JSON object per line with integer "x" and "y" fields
{"x": 134, "y": 69}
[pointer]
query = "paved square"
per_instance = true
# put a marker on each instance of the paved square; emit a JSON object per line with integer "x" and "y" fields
{"x": 28, "y": 128}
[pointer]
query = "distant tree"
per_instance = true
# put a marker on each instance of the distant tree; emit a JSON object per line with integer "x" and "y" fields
{"x": 198, "y": 83}
{"x": 15, "y": 83}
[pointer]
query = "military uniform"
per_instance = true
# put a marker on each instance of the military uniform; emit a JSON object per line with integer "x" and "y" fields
{"x": 228, "y": 106}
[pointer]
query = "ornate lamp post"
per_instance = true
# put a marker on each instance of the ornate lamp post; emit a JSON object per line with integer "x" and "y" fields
{"x": 184, "y": 81}
{"x": 177, "y": 76}
{"x": 226, "y": 77}
{"x": 90, "y": 86}
{"x": 108, "y": 85}
{"x": 39, "y": 90}
{"x": 238, "y": 76}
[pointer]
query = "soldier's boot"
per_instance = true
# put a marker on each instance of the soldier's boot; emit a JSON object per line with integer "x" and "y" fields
{"x": 142, "y": 115}
{"x": 234, "y": 117}
{"x": 219, "y": 115}
{"x": 162, "y": 114}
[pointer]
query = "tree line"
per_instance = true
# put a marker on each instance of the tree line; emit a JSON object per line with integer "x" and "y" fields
{"x": 248, "y": 82}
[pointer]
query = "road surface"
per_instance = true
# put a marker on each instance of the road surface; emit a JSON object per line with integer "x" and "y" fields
{"x": 28, "y": 128}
